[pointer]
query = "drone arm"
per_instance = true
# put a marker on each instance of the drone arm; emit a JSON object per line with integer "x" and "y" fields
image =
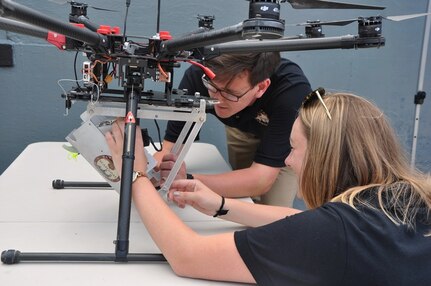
{"x": 87, "y": 23}
{"x": 342, "y": 42}
{"x": 188, "y": 42}
{"x": 56, "y": 39}
{"x": 11, "y": 9}
{"x": 22, "y": 28}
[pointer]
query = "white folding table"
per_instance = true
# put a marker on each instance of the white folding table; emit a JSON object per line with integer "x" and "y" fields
{"x": 34, "y": 217}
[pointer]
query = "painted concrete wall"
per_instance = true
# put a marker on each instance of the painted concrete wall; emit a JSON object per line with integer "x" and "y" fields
{"x": 31, "y": 109}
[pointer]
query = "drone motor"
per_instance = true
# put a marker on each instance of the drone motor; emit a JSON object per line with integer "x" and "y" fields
{"x": 206, "y": 22}
{"x": 264, "y": 20}
{"x": 78, "y": 9}
{"x": 370, "y": 27}
{"x": 313, "y": 29}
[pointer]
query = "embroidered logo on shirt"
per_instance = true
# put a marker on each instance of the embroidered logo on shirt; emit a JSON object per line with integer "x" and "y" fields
{"x": 262, "y": 118}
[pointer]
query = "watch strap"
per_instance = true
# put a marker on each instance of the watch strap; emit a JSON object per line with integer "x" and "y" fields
{"x": 137, "y": 175}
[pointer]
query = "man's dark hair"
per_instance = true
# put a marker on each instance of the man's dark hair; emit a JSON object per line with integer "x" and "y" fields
{"x": 260, "y": 65}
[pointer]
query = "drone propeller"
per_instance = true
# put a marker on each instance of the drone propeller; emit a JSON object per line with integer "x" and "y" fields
{"x": 349, "y": 21}
{"x": 368, "y": 26}
{"x": 62, "y": 2}
{"x": 319, "y": 4}
{"x": 325, "y": 23}
{"x": 405, "y": 17}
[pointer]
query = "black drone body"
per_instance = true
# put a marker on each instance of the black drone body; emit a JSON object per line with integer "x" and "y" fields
{"x": 113, "y": 55}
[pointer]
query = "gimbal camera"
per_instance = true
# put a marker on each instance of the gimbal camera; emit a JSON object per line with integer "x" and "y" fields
{"x": 112, "y": 54}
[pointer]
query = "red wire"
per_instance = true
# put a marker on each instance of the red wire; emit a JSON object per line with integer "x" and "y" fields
{"x": 210, "y": 74}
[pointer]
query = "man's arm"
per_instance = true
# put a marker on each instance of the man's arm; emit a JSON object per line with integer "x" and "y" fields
{"x": 167, "y": 147}
{"x": 253, "y": 181}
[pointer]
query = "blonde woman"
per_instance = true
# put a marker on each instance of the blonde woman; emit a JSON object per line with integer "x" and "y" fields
{"x": 368, "y": 223}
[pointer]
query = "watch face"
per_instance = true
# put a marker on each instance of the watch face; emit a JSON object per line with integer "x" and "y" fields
{"x": 105, "y": 166}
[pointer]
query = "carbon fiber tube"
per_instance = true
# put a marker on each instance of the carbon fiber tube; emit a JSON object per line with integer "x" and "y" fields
{"x": 20, "y": 12}
{"x": 12, "y": 256}
{"x": 22, "y": 28}
{"x": 342, "y": 42}
{"x": 187, "y": 42}
{"x": 60, "y": 184}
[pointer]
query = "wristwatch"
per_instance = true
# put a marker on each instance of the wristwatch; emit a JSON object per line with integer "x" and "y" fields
{"x": 136, "y": 175}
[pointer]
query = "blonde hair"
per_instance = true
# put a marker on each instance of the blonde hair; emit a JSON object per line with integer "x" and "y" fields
{"x": 357, "y": 150}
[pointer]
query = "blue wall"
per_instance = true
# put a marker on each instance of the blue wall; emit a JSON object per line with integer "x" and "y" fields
{"x": 32, "y": 110}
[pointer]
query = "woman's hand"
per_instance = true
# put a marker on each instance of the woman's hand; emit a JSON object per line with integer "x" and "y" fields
{"x": 195, "y": 194}
{"x": 115, "y": 139}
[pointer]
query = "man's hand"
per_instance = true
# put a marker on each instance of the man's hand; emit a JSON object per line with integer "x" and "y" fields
{"x": 166, "y": 166}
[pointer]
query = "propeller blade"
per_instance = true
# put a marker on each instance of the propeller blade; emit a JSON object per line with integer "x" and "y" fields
{"x": 405, "y": 17}
{"x": 320, "y": 4}
{"x": 62, "y": 2}
{"x": 329, "y": 23}
{"x": 103, "y": 9}
{"x": 348, "y": 21}
{"x": 340, "y": 22}
{"x": 290, "y": 38}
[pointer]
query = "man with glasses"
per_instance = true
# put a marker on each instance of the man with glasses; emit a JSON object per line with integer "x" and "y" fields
{"x": 259, "y": 95}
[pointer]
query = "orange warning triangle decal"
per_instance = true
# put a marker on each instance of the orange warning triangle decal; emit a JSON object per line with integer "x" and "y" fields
{"x": 130, "y": 118}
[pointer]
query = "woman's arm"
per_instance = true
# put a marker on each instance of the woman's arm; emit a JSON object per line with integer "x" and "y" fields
{"x": 188, "y": 253}
{"x": 199, "y": 196}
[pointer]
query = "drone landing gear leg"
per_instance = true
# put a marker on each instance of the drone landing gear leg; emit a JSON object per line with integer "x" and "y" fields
{"x": 122, "y": 242}
{"x": 194, "y": 115}
{"x": 61, "y": 184}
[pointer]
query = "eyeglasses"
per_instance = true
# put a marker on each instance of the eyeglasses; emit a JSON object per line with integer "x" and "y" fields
{"x": 223, "y": 92}
{"x": 316, "y": 94}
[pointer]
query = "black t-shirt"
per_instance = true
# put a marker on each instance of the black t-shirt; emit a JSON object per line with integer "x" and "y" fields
{"x": 270, "y": 117}
{"x": 337, "y": 245}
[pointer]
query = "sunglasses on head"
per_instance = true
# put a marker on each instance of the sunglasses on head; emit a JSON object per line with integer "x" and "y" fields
{"x": 316, "y": 94}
